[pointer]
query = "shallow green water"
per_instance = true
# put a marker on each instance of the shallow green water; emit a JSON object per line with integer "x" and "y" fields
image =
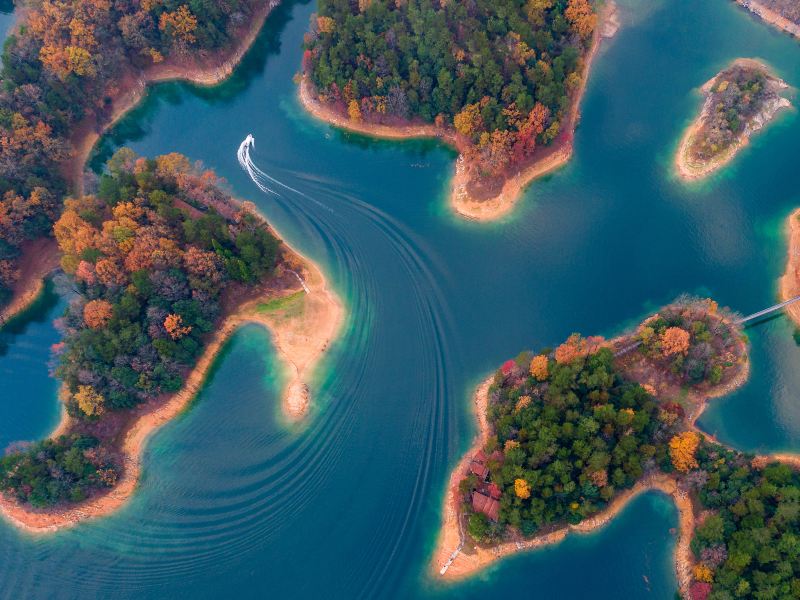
{"x": 235, "y": 503}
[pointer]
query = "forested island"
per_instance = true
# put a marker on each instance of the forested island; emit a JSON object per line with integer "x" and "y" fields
{"x": 165, "y": 265}
{"x": 784, "y": 14}
{"x": 500, "y": 81}
{"x": 567, "y": 437}
{"x": 739, "y": 101}
{"x": 70, "y": 69}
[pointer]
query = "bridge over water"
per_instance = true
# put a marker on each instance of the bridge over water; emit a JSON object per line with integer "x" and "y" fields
{"x": 767, "y": 311}
{"x": 742, "y": 321}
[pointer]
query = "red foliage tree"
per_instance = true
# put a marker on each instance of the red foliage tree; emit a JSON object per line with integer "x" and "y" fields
{"x": 699, "y": 590}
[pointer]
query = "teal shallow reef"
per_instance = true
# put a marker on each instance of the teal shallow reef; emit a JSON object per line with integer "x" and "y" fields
{"x": 234, "y": 503}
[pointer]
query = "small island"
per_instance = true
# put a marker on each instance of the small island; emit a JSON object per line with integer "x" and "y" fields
{"x": 568, "y": 437}
{"x": 739, "y": 101}
{"x": 499, "y": 81}
{"x": 783, "y": 14}
{"x": 165, "y": 266}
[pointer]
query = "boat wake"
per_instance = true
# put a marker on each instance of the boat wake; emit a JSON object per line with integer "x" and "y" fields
{"x": 366, "y": 245}
{"x": 265, "y": 180}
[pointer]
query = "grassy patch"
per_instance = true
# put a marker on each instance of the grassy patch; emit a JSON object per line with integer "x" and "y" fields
{"x": 281, "y": 304}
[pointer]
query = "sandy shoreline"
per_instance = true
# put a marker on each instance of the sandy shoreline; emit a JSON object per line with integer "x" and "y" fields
{"x": 690, "y": 170}
{"x": 300, "y": 340}
{"x": 790, "y": 282}
{"x": 770, "y": 16}
{"x": 489, "y": 209}
{"x": 39, "y": 258}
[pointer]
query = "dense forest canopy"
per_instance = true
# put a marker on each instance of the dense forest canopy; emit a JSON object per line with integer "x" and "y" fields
{"x": 573, "y": 433}
{"x": 68, "y": 468}
{"x": 500, "y": 71}
{"x": 62, "y": 66}
{"x": 150, "y": 256}
{"x": 749, "y": 544}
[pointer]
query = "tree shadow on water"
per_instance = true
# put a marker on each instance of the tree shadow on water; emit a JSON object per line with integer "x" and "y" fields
{"x": 39, "y": 312}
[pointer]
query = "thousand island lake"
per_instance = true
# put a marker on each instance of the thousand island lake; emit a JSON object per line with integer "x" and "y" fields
{"x": 234, "y": 498}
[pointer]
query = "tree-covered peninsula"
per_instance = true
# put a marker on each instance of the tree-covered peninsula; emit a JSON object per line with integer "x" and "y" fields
{"x": 568, "y": 436}
{"x": 498, "y": 79}
{"x": 739, "y": 101}
{"x": 63, "y": 68}
{"x": 157, "y": 258}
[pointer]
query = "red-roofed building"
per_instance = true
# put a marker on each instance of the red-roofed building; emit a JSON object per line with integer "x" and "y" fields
{"x": 478, "y": 466}
{"x": 495, "y": 491}
{"x": 479, "y": 469}
{"x": 484, "y": 504}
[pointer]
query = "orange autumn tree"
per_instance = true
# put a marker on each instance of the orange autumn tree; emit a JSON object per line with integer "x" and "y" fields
{"x": 91, "y": 403}
{"x": 97, "y": 313}
{"x": 180, "y": 24}
{"x": 469, "y": 121}
{"x": 582, "y": 17}
{"x": 325, "y": 24}
{"x": 573, "y": 348}
{"x": 522, "y": 489}
{"x": 353, "y": 111}
{"x": 674, "y": 340}
{"x": 682, "y": 449}
{"x": 539, "y": 367}
{"x": 174, "y": 325}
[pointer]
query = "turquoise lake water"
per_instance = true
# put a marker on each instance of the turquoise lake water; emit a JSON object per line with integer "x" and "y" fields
{"x": 235, "y": 503}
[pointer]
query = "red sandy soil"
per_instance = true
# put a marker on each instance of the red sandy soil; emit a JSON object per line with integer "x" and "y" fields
{"x": 469, "y": 198}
